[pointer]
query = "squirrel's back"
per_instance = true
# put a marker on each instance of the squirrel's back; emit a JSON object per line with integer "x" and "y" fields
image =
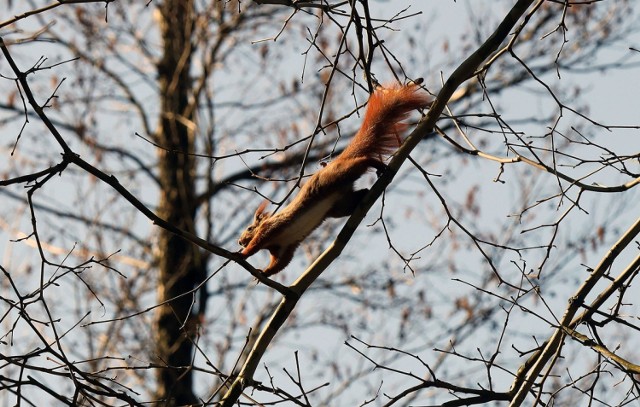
{"x": 380, "y": 131}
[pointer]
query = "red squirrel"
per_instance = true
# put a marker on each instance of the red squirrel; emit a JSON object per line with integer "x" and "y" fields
{"x": 329, "y": 193}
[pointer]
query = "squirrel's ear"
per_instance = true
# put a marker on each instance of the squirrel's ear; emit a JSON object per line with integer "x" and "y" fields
{"x": 260, "y": 210}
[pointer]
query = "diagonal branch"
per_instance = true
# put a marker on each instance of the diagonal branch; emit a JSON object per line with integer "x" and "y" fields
{"x": 528, "y": 373}
{"x": 70, "y": 157}
{"x": 424, "y": 130}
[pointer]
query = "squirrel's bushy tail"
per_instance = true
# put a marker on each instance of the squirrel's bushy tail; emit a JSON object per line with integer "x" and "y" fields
{"x": 380, "y": 131}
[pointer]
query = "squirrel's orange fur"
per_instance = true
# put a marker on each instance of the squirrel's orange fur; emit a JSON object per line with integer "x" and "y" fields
{"x": 329, "y": 192}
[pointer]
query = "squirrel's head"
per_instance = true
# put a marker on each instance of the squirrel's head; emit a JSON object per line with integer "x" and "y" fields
{"x": 259, "y": 217}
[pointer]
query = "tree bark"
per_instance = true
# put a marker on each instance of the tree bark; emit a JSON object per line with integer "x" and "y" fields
{"x": 179, "y": 263}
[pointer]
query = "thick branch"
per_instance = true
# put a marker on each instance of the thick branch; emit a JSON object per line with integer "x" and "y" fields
{"x": 528, "y": 374}
{"x": 424, "y": 130}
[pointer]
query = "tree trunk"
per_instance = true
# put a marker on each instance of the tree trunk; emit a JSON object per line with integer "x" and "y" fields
{"x": 179, "y": 262}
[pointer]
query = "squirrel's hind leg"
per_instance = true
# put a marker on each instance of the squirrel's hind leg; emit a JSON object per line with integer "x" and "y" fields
{"x": 280, "y": 258}
{"x": 347, "y": 203}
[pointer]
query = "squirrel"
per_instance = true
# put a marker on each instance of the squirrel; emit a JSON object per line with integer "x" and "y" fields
{"x": 329, "y": 193}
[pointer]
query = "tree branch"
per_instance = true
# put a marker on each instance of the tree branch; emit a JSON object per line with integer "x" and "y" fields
{"x": 423, "y": 131}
